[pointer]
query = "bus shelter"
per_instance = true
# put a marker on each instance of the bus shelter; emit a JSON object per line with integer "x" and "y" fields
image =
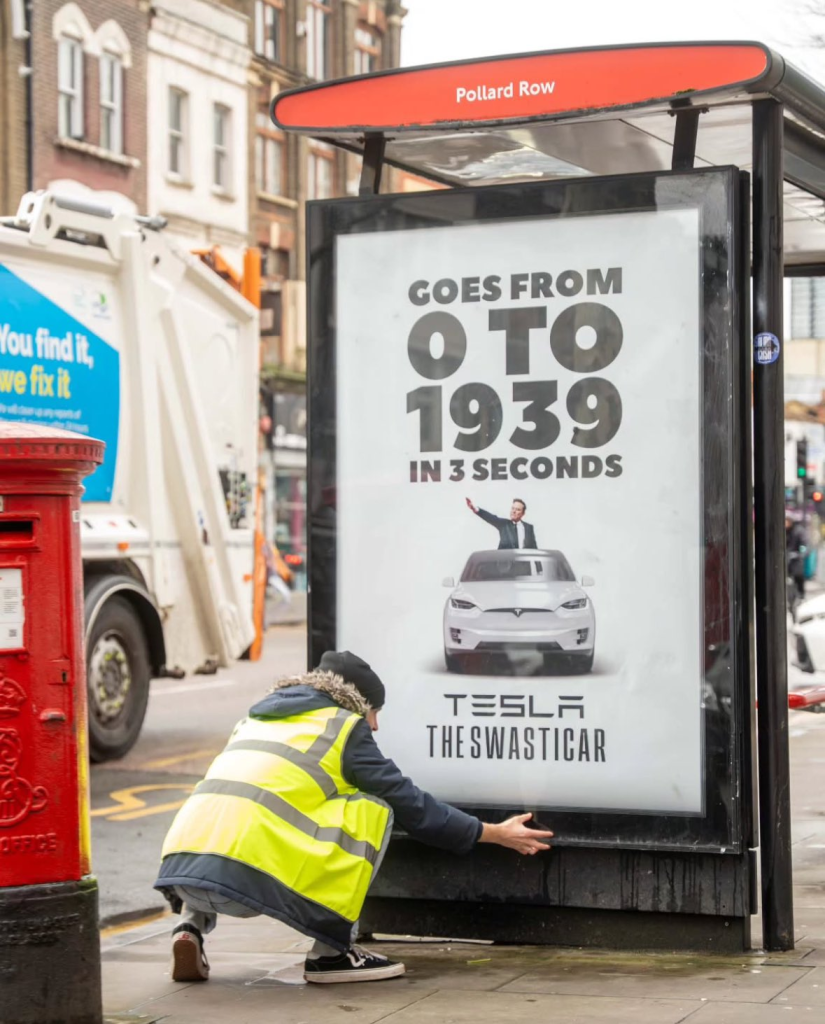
{"x": 546, "y": 473}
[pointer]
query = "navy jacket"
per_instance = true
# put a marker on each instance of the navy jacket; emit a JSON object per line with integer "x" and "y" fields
{"x": 507, "y": 533}
{"x": 366, "y": 768}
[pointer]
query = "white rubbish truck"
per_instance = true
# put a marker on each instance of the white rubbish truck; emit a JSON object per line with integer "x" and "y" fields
{"x": 108, "y": 329}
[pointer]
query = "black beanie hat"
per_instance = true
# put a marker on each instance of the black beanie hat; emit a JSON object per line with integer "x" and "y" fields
{"x": 356, "y": 671}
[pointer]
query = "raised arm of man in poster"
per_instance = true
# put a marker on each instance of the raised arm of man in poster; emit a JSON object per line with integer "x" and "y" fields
{"x": 512, "y": 532}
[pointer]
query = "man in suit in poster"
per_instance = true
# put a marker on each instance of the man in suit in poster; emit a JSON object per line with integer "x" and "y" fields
{"x": 512, "y": 532}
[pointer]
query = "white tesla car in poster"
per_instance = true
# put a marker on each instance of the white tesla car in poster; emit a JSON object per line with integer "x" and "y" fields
{"x": 510, "y": 602}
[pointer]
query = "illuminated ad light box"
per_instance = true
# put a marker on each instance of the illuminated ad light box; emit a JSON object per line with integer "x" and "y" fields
{"x": 525, "y": 493}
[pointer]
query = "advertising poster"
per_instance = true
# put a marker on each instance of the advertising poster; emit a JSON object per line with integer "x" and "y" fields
{"x": 530, "y": 488}
{"x": 57, "y": 371}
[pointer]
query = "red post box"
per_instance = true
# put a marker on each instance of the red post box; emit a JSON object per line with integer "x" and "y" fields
{"x": 49, "y": 945}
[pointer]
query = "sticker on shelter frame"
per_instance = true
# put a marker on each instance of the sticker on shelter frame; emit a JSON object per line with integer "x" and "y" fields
{"x": 12, "y": 610}
{"x": 766, "y": 348}
{"x": 518, "y": 513}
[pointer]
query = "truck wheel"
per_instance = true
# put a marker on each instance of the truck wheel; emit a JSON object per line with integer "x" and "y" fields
{"x": 118, "y": 675}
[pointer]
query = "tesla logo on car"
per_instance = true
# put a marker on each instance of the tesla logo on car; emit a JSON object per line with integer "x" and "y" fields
{"x": 517, "y": 612}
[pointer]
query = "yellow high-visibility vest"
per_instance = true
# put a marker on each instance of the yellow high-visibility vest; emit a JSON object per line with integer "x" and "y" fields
{"x": 276, "y": 800}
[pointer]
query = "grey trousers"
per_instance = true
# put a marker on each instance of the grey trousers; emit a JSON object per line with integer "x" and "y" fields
{"x": 202, "y": 906}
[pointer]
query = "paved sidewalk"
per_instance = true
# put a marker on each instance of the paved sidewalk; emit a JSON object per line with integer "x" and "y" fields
{"x": 257, "y": 976}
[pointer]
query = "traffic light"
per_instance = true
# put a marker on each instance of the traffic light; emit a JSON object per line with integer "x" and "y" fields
{"x": 802, "y": 459}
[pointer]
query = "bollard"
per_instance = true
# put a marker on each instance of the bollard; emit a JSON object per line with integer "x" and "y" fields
{"x": 49, "y": 944}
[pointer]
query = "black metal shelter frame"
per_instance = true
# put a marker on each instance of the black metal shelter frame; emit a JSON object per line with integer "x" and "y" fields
{"x": 772, "y": 125}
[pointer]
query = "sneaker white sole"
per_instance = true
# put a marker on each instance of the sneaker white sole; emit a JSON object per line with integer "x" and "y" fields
{"x": 341, "y": 977}
{"x": 187, "y": 962}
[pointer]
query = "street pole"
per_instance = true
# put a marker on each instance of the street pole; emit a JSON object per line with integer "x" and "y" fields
{"x": 771, "y": 635}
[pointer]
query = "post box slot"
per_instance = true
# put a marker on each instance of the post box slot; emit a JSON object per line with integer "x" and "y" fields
{"x": 16, "y": 531}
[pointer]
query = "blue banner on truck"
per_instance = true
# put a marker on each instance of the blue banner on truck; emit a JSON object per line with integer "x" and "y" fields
{"x": 56, "y": 372}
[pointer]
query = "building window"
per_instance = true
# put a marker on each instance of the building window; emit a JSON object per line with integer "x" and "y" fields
{"x": 269, "y": 165}
{"x": 271, "y": 318}
{"x": 320, "y": 172}
{"x": 318, "y": 22}
{"x": 269, "y": 157}
{"x": 221, "y": 120}
{"x": 275, "y": 263}
{"x": 70, "y": 88}
{"x": 269, "y": 28}
{"x": 111, "y": 103}
{"x": 807, "y": 308}
{"x": 367, "y": 50}
{"x": 178, "y": 111}
{"x": 290, "y": 503}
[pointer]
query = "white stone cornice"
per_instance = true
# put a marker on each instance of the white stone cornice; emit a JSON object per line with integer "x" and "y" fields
{"x": 200, "y": 49}
{"x": 206, "y": 15}
{"x": 70, "y": 21}
{"x": 112, "y": 39}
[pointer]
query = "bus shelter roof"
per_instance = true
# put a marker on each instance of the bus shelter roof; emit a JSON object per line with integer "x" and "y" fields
{"x": 572, "y": 113}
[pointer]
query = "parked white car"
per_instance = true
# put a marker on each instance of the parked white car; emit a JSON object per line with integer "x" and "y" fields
{"x": 514, "y": 601}
{"x": 809, "y": 634}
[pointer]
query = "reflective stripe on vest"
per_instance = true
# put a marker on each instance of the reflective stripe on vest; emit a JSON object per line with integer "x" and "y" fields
{"x": 276, "y": 800}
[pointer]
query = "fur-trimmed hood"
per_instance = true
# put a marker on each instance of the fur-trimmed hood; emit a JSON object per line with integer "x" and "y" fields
{"x": 295, "y": 695}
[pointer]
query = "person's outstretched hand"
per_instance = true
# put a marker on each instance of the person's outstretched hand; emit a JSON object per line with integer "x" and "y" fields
{"x": 470, "y": 504}
{"x": 514, "y": 834}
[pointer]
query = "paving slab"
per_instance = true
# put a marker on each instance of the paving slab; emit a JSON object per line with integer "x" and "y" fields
{"x": 802, "y": 955}
{"x": 131, "y": 1018}
{"x": 754, "y": 1013}
{"x": 809, "y": 926}
{"x": 462, "y": 967}
{"x": 808, "y": 920}
{"x": 504, "y": 1008}
{"x": 131, "y": 983}
{"x": 808, "y": 990}
{"x": 815, "y": 956}
{"x": 655, "y": 976}
{"x": 222, "y": 1002}
{"x": 262, "y": 935}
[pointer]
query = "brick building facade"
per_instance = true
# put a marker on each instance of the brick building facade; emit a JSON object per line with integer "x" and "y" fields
{"x": 297, "y": 42}
{"x": 197, "y": 102}
{"x": 13, "y": 104}
{"x": 89, "y": 95}
{"x": 166, "y": 103}
{"x": 84, "y": 124}
{"x": 90, "y": 107}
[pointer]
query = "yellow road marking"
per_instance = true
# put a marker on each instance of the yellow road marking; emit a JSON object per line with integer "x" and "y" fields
{"x": 129, "y": 926}
{"x": 146, "y": 811}
{"x": 129, "y": 805}
{"x": 165, "y": 762}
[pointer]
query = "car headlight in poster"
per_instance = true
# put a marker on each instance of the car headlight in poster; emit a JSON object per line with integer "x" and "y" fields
{"x": 519, "y": 502}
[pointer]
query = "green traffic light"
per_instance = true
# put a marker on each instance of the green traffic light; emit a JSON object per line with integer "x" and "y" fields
{"x": 801, "y": 471}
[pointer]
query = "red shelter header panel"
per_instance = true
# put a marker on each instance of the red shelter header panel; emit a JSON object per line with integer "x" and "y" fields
{"x": 521, "y": 88}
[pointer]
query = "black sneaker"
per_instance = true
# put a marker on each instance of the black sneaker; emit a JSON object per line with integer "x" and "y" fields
{"x": 357, "y": 964}
{"x": 189, "y": 961}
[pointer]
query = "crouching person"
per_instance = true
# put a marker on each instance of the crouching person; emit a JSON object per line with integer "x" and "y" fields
{"x": 293, "y": 819}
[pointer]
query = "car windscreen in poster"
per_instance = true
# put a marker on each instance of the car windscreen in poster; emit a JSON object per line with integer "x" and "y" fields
{"x": 518, "y": 495}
